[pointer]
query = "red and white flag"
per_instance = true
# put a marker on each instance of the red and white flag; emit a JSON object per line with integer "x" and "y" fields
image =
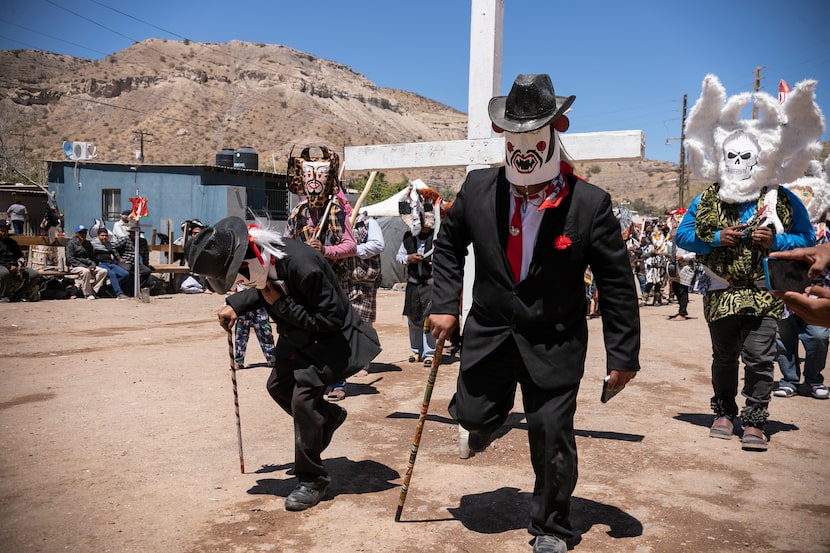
{"x": 139, "y": 208}
{"x": 783, "y": 90}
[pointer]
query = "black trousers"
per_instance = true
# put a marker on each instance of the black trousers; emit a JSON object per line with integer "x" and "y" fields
{"x": 310, "y": 412}
{"x": 481, "y": 404}
{"x": 750, "y": 339}
{"x": 681, "y": 292}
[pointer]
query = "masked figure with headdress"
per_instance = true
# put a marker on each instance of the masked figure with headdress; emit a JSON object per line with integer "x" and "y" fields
{"x": 321, "y": 338}
{"x": 318, "y": 219}
{"x": 534, "y": 227}
{"x": 735, "y": 223}
{"x": 418, "y": 211}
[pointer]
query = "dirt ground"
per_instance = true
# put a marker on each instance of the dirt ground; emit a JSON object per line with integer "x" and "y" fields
{"x": 118, "y": 434}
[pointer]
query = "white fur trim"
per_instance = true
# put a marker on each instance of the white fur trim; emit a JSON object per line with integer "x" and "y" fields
{"x": 787, "y": 136}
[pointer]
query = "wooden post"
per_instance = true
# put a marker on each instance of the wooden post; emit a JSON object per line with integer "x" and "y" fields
{"x": 362, "y": 197}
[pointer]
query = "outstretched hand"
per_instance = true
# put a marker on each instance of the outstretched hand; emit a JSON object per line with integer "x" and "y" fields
{"x": 814, "y": 310}
{"x": 817, "y": 256}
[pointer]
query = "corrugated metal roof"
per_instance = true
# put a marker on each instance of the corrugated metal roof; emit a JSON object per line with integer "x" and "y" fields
{"x": 130, "y": 166}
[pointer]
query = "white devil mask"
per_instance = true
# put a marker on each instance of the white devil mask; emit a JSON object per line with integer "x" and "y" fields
{"x": 746, "y": 155}
{"x": 531, "y": 157}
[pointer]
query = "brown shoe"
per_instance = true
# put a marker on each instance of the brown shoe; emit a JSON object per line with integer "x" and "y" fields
{"x": 753, "y": 439}
{"x": 722, "y": 428}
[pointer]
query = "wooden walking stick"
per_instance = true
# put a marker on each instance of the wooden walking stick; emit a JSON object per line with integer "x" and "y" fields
{"x": 236, "y": 400}
{"x": 416, "y": 441}
{"x": 362, "y": 197}
{"x": 326, "y": 211}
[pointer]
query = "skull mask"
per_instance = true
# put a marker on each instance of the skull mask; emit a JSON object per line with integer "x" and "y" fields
{"x": 740, "y": 156}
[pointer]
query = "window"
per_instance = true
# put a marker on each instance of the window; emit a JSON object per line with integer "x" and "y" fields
{"x": 276, "y": 201}
{"x": 111, "y": 204}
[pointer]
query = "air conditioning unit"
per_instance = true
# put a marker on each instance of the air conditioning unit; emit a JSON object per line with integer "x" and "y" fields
{"x": 83, "y": 150}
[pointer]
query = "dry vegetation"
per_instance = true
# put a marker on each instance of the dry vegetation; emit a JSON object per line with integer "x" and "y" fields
{"x": 193, "y": 99}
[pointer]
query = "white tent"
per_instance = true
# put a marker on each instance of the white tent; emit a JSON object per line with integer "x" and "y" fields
{"x": 388, "y": 217}
{"x": 389, "y": 206}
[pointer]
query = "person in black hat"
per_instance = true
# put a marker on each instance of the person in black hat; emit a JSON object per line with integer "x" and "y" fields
{"x": 322, "y": 339}
{"x": 534, "y": 227}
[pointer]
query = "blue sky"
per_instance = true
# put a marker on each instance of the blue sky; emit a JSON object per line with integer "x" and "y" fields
{"x": 629, "y": 63}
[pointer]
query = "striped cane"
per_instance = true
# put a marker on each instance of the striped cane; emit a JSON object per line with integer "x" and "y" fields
{"x": 236, "y": 399}
{"x": 416, "y": 441}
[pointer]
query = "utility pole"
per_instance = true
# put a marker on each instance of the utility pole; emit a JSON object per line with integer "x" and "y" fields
{"x": 141, "y": 133}
{"x": 756, "y": 88}
{"x": 681, "y": 182}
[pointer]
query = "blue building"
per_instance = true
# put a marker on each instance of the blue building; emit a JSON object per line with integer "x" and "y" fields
{"x": 89, "y": 190}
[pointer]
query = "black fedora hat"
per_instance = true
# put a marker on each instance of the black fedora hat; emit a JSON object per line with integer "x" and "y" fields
{"x": 530, "y": 105}
{"x": 217, "y": 252}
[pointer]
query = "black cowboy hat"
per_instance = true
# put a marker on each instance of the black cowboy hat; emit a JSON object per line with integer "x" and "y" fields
{"x": 217, "y": 252}
{"x": 531, "y": 105}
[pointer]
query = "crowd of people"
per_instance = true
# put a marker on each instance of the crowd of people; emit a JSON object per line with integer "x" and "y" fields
{"x": 550, "y": 253}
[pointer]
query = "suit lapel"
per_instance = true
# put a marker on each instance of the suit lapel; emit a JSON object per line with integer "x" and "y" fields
{"x": 502, "y": 210}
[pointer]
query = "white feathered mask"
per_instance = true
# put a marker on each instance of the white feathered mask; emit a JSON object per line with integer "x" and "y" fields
{"x": 745, "y": 155}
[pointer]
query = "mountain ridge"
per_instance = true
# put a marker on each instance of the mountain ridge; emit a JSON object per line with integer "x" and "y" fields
{"x": 189, "y": 100}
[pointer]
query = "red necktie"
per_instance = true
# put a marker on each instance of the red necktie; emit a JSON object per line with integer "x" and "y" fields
{"x": 514, "y": 241}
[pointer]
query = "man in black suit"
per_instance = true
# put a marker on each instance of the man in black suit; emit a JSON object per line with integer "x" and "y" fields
{"x": 534, "y": 227}
{"x": 322, "y": 339}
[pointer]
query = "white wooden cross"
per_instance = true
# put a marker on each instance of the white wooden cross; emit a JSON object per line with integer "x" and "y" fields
{"x": 483, "y": 148}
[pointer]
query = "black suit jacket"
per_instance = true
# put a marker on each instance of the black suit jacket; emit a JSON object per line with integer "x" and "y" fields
{"x": 546, "y": 312}
{"x": 320, "y": 333}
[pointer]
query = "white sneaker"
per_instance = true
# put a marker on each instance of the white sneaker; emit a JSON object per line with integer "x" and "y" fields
{"x": 820, "y": 391}
{"x": 463, "y": 443}
{"x": 90, "y": 297}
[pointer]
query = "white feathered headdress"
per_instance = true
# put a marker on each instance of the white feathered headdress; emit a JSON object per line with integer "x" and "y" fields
{"x": 814, "y": 190}
{"x": 778, "y": 146}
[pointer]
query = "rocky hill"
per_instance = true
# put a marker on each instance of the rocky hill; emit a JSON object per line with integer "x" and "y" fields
{"x": 189, "y": 100}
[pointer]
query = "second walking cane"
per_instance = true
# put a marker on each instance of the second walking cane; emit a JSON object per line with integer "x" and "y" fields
{"x": 236, "y": 399}
{"x": 416, "y": 441}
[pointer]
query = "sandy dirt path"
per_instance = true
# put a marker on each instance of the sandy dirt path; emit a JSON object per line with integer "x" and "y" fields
{"x": 118, "y": 434}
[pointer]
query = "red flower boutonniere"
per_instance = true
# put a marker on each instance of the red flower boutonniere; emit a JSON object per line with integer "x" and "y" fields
{"x": 562, "y": 243}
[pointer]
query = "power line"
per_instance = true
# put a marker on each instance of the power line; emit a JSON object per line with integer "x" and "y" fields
{"x": 50, "y": 36}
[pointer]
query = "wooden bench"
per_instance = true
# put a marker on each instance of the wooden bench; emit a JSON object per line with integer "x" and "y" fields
{"x": 172, "y": 269}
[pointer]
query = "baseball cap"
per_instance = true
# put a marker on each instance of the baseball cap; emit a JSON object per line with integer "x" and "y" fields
{"x": 126, "y": 212}
{"x": 80, "y": 228}
{"x": 4, "y": 223}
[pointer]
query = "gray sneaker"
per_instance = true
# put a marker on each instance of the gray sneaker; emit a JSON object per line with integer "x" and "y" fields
{"x": 123, "y": 297}
{"x": 820, "y": 391}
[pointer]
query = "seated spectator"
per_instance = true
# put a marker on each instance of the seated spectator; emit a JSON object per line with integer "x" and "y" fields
{"x": 193, "y": 283}
{"x": 108, "y": 259}
{"x": 125, "y": 247}
{"x": 13, "y": 270}
{"x": 119, "y": 229}
{"x": 80, "y": 259}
